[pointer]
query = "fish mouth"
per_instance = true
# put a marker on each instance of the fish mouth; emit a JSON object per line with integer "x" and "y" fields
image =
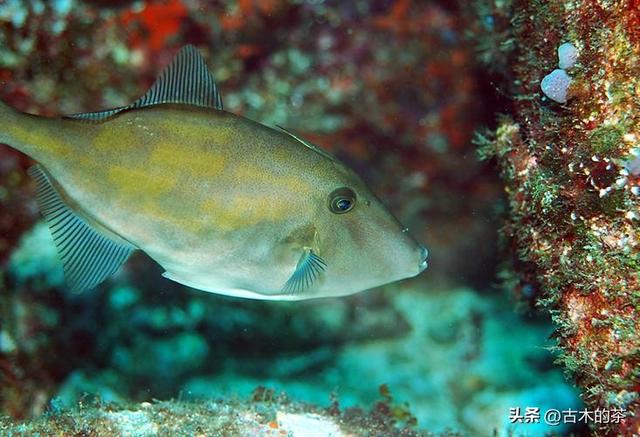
{"x": 424, "y": 254}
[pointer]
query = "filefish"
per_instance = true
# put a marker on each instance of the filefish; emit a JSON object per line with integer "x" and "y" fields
{"x": 222, "y": 203}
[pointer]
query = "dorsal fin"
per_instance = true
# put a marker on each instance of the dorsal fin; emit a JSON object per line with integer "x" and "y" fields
{"x": 307, "y": 270}
{"x": 98, "y": 115}
{"x": 88, "y": 256}
{"x": 186, "y": 80}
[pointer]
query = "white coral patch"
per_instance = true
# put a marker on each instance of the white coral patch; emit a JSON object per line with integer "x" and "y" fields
{"x": 308, "y": 425}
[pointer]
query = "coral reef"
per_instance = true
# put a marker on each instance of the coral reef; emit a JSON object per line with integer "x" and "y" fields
{"x": 266, "y": 413}
{"x": 572, "y": 183}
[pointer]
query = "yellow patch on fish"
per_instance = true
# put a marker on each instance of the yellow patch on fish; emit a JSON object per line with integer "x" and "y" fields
{"x": 241, "y": 212}
{"x": 195, "y": 165}
{"x": 139, "y": 183}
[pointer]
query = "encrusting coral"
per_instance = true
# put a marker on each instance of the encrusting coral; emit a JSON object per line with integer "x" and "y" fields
{"x": 572, "y": 185}
{"x": 266, "y": 413}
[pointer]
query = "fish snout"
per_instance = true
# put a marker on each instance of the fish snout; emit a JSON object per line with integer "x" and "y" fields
{"x": 424, "y": 254}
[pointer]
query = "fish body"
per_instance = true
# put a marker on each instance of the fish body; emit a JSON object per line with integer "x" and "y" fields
{"x": 224, "y": 204}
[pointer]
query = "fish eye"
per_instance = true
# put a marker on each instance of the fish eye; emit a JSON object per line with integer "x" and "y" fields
{"x": 342, "y": 200}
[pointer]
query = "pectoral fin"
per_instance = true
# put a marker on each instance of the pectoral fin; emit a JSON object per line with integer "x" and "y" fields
{"x": 309, "y": 267}
{"x": 88, "y": 256}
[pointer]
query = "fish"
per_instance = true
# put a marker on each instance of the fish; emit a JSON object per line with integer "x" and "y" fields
{"x": 222, "y": 203}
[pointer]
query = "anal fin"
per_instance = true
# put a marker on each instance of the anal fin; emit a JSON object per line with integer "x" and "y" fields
{"x": 88, "y": 256}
